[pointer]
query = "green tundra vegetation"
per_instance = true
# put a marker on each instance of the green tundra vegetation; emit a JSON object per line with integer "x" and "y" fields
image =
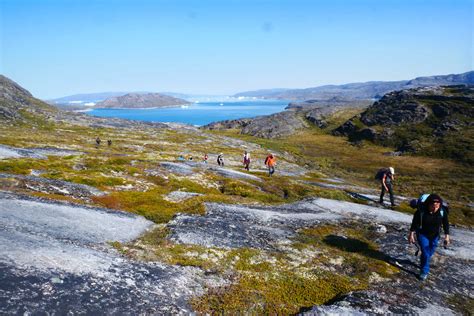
{"x": 275, "y": 282}
{"x": 320, "y": 264}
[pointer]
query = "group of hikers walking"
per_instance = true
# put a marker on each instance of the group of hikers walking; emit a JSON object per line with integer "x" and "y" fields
{"x": 98, "y": 141}
{"x": 430, "y": 216}
{"x": 270, "y": 161}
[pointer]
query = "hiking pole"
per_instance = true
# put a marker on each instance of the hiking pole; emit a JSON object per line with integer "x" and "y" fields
{"x": 417, "y": 250}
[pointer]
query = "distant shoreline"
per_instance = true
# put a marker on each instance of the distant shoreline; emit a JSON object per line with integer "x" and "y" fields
{"x": 194, "y": 114}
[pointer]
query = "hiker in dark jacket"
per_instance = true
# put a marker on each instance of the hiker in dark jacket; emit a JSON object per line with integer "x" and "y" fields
{"x": 426, "y": 226}
{"x": 387, "y": 180}
{"x": 220, "y": 159}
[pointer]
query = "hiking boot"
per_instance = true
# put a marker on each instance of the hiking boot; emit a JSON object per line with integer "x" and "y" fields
{"x": 423, "y": 276}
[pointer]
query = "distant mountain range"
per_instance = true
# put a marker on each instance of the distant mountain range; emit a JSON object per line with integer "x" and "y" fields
{"x": 78, "y": 101}
{"x": 359, "y": 91}
{"x": 88, "y": 97}
{"x": 327, "y": 93}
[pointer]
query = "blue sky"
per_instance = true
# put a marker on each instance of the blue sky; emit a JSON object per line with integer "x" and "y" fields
{"x": 59, "y": 47}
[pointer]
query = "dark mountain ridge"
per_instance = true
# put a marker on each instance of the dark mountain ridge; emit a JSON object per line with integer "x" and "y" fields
{"x": 17, "y": 103}
{"x": 432, "y": 121}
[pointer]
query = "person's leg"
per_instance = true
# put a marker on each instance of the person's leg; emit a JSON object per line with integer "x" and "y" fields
{"x": 433, "y": 245}
{"x": 426, "y": 254}
{"x": 390, "y": 190}
{"x": 382, "y": 193}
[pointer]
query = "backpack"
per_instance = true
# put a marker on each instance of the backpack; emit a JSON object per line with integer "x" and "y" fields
{"x": 379, "y": 175}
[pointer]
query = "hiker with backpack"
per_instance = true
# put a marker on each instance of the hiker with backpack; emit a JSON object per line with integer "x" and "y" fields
{"x": 386, "y": 177}
{"x": 270, "y": 162}
{"x": 247, "y": 161}
{"x": 220, "y": 159}
{"x": 425, "y": 228}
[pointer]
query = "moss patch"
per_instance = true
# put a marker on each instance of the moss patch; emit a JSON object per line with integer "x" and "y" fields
{"x": 282, "y": 294}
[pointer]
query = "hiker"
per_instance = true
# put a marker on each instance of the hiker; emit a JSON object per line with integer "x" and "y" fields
{"x": 270, "y": 162}
{"x": 247, "y": 161}
{"x": 220, "y": 159}
{"x": 109, "y": 142}
{"x": 387, "y": 177}
{"x": 97, "y": 141}
{"x": 190, "y": 158}
{"x": 181, "y": 158}
{"x": 205, "y": 158}
{"x": 426, "y": 226}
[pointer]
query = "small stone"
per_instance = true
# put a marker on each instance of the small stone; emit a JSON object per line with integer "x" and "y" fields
{"x": 381, "y": 229}
{"x": 56, "y": 280}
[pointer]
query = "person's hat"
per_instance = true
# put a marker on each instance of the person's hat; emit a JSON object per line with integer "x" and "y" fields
{"x": 392, "y": 171}
{"x": 434, "y": 197}
{"x": 221, "y": 154}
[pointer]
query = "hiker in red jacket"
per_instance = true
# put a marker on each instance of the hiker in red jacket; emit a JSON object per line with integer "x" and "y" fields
{"x": 246, "y": 161}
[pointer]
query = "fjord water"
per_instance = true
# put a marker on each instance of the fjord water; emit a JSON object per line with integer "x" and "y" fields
{"x": 198, "y": 113}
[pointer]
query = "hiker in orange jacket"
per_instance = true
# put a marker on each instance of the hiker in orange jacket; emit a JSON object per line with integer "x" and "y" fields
{"x": 270, "y": 162}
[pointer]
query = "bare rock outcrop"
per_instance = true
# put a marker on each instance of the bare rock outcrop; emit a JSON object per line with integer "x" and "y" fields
{"x": 415, "y": 120}
{"x": 137, "y": 100}
{"x": 269, "y": 126}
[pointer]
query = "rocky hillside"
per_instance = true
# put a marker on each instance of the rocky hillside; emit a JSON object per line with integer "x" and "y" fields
{"x": 360, "y": 91}
{"x": 299, "y": 116}
{"x": 17, "y": 104}
{"x": 136, "y": 100}
{"x": 267, "y": 126}
{"x": 333, "y": 102}
{"x": 432, "y": 121}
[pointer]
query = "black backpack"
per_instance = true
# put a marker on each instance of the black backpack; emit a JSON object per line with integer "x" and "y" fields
{"x": 379, "y": 175}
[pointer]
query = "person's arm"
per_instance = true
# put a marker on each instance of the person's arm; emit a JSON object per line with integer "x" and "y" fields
{"x": 383, "y": 182}
{"x": 415, "y": 223}
{"x": 447, "y": 240}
